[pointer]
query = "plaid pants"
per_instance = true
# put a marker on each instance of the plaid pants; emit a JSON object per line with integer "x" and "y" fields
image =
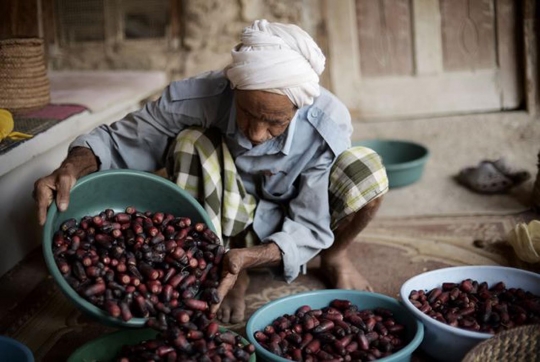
{"x": 201, "y": 164}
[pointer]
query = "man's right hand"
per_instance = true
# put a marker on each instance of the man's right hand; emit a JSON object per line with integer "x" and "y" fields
{"x": 232, "y": 288}
{"x": 57, "y": 186}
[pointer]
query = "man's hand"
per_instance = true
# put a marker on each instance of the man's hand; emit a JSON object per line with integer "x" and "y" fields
{"x": 80, "y": 162}
{"x": 235, "y": 262}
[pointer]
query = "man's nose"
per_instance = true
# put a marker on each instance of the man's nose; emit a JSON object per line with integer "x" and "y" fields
{"x": 257, "y": 133}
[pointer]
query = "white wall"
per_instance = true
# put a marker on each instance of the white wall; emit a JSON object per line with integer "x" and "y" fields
{"x": 20, "y": 232}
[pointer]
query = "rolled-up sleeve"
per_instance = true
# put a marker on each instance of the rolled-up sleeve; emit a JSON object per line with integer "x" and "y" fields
{"x": 306, "y": 227}
{"x": 139, "y": 140}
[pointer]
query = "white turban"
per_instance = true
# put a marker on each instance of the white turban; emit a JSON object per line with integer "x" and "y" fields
{"x": 277, "y": 58}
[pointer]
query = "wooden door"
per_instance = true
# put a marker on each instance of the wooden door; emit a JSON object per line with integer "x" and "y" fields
{"x": 402, "y": 58}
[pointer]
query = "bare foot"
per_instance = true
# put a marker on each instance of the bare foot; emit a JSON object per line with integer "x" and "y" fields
{"x": 343, "y": 274}
{"x": 233, "y": 307}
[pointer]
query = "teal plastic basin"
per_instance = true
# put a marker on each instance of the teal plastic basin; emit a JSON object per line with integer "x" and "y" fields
{"x": 14, "y": 351}
{"x": 321, "y": 298}
{"x": 116, "y": 189}
{"x": 404, "y": 160}
{"x": 107, "y": 347}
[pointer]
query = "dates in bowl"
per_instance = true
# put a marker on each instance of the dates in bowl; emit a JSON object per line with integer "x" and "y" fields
{"x": 336, "y": 325}
{"x": 463, "y": 306}
{"x": 109, "y": 203}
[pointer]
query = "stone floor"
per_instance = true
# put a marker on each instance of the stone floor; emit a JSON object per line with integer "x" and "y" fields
{"x": 391, "y": 250}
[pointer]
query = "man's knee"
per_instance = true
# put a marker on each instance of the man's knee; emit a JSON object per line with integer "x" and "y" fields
{"x": 358, "y": 181}
{"x": 359, "y": 219}
{"x": 367, "y": 213}
{"x": 373, "y": 205}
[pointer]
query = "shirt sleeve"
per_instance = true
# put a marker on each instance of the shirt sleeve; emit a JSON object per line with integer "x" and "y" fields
{"x": 139, "y": 141}
{"x": 306, "y": 227}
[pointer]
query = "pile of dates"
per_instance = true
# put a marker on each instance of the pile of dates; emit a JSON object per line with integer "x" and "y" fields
{"x": 135, "y": 264}
{"x": 197, "y": 340}
{"x": 338, "y": 332}
{"x": 476, "y": 306}
{"x": 150, "y": 265}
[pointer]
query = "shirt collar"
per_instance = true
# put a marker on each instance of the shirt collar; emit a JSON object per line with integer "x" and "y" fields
{"x": 290, "y": 134}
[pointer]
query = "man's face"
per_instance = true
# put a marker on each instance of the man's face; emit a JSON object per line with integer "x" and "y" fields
{"x": 261, "y": 115}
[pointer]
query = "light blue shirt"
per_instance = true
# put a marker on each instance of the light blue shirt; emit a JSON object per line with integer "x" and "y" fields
{"x": 289, "y": 175}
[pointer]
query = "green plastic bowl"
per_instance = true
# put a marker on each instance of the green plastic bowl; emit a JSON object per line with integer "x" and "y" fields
{"x": 321, "y": 298}
{"x": 404, "y": 160}
{"x": 107, "y": 347}
{"x": 116, "y": 189}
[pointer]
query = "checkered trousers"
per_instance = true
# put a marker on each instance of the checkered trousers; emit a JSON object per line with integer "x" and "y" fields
{"x": 201, "y": 164}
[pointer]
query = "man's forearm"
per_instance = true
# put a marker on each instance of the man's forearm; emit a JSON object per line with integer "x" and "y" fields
{"x": 265, "y": 255}
{"x": 81, "y": 161}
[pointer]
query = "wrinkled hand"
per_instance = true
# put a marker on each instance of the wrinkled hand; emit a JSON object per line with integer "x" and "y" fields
{"x": 233, "y": 264}
{"x": 56, "y": 185}
{"x": 80, "y": 162}
{"x": 237, "y": 260}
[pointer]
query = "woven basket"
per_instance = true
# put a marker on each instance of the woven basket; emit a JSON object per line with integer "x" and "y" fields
{"x": 24, "y": 85}
{"x": 521, "y": 344}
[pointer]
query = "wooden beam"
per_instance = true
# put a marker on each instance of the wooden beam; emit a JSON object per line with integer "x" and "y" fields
{"x": 49, "y": 26}
{"x": 113, "y": 25}
{"x": 175, "y": 24}
{"x": 18, "y": 19}
{"x": 530, "y": 38}
{"x": 427, "y": 36}
{"x": 508, "y": 53}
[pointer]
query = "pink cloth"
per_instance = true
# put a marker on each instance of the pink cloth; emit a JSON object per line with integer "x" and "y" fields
{"x": 55, "y": 111}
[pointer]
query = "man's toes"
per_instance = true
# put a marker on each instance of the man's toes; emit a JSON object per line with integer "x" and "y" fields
{"x": 237, "y": 315}
{"x": 224, "y": 314}
{"x": 219, "y": 315}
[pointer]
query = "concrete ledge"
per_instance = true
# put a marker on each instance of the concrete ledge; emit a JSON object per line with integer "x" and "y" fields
{"x": 109, "y": 96}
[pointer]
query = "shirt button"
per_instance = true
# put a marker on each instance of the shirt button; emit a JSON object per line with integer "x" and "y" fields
{"x": 222, "y": 84}
{"x": 314, "y": 113}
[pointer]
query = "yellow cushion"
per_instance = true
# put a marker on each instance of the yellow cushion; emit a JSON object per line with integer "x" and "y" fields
{"x": 6, "y": 127}
{"x": 525, "y": 239}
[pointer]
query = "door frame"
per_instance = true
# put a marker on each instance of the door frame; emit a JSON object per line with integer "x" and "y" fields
{"x": 343, "y": 44}
{"x": 531, "y": 45}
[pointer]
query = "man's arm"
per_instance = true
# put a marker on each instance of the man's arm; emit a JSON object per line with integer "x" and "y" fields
{"x": 138, "y": 141}
{"x": 306, "y": 230}
{"x": 236, "y": 260}
{"x": 81, "y": 162}
{"x": 306, "y": 226}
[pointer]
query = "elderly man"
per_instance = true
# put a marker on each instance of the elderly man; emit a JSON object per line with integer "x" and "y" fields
{"x": 263, "y": 148}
